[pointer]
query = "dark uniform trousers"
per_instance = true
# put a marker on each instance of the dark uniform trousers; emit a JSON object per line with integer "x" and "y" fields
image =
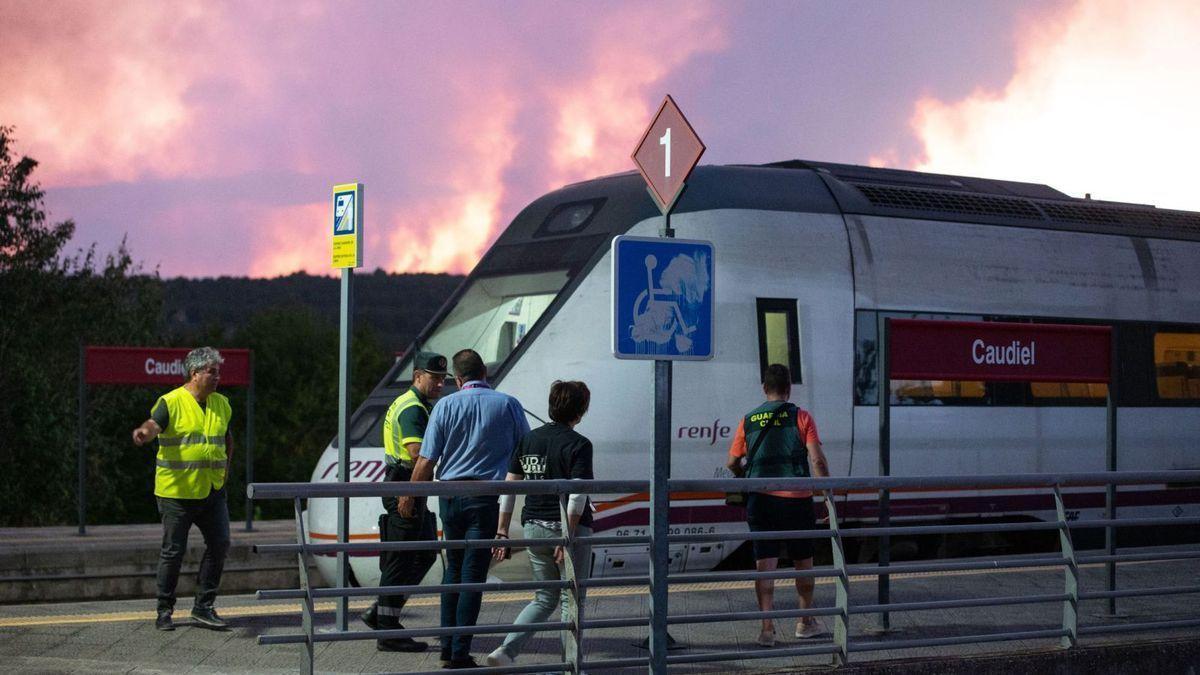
{"x": 402, "y": 568}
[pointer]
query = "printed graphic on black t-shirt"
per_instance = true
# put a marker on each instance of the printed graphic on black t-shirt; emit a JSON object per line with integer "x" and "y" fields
{"x": 533, "y": 466}
{"x": 552, "y": 452}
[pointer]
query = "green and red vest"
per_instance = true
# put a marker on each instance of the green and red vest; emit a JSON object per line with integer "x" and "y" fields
{"x": 781, "y": 453}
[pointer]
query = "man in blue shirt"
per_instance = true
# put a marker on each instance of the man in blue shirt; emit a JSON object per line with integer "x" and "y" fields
{"x": 470, "y": 436}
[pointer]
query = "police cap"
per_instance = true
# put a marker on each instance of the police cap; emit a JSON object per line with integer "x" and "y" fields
{"x": 430, "y": 362}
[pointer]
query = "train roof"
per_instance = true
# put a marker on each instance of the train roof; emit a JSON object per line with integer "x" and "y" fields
{"x": 825, "y": 187}
{"x": 912, "y": 194}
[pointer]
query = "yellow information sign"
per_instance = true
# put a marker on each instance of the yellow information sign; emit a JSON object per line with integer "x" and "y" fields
{"x": 347, "y": 225}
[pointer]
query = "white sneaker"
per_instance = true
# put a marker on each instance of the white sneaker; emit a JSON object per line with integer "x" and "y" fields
{"x": 499, "y": 658}
{"x": 809, "y": 629}
{"x": 766, "y": 639}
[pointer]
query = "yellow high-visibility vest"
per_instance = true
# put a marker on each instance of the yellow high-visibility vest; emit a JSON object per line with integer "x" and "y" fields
{"x": 393, "y": 443}
{"x": 191, "y": 450}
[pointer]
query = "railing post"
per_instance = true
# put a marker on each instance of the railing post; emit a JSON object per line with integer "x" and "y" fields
{"x": 1070, "y": 621}
{"x": 572, "y": 612}
{"x": 306, "y": 605}
{"x": 841, "y": 622}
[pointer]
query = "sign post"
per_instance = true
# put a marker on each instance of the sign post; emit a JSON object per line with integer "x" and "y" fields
{"x": 154, "y": 366}
{"x": 1110, "y": 490}
{"x": 250, "y": 443}
{"x": 885, "y": 469}
{"x": 659, "y": 327}
{"x": 993, "y": 351}
{"x": 81, "y": 464}
{"x": 347, "y": 254}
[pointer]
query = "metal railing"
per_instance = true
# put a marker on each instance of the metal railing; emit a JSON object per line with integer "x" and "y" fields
{"x": 843, "y": 644}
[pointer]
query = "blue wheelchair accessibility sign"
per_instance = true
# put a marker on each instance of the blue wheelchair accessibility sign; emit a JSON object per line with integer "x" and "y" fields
{"x": 662, "y": 298}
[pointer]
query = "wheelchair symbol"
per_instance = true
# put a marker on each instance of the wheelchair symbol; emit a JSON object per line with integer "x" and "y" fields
{"x": 656, "y": 317}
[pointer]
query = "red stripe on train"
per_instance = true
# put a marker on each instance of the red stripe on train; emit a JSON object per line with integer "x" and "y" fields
{"x": 917, "y": 507}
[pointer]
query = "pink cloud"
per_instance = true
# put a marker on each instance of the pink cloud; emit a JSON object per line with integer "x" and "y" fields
{"x": 289, "y": 239}
{"x": 452, "y": 117}
{"x": 95, "y": 91}
{"x": 599, "y": 115}
{"x": 451, "y": 232}
{"x": 1101, "y": 91}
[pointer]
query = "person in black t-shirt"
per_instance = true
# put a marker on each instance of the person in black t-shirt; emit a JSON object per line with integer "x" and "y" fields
{"x": 553, "y": 452}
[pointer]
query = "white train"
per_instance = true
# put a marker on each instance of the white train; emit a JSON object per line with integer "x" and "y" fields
{"x": 807, "y": 255}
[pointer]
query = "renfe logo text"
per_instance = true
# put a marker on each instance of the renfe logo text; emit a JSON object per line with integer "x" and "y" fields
{"x": 1015, "y": 354}
{"x": 711, "y": 432}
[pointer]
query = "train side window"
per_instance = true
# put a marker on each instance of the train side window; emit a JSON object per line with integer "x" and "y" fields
{"x": 937, "y": 392}
{"x": 1068, "y": 392}
{"x": 1177, "y": 365}
{"x": 779, "y": 335}
{"x": 907, "y": 392}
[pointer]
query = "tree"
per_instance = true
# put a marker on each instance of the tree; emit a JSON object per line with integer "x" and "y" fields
{"x": 50, "y": 304}
{"x": 296, "y": 389}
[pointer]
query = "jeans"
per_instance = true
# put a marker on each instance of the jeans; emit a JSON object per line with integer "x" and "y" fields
{"x": 465, "y": 518}
{"x": 211, "y": 515}
{"x": 541, "y": 559}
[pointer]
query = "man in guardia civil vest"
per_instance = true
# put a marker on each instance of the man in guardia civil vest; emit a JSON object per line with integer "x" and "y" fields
{"x": 403, "y": 432}
{"x": 191, "y": 424}
{"x": 779, "y": 440}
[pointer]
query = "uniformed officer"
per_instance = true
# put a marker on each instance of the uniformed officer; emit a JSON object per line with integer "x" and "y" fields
{"x": 779, "y": 440}
{"x": 403, "y": 431}
{"x": 191, "y": 424}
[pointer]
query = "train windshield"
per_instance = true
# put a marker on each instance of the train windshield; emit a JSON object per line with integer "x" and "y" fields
{"x": 493, "y": 316}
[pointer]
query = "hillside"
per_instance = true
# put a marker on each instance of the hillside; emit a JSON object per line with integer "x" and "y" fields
{"x": 395, "y": 306}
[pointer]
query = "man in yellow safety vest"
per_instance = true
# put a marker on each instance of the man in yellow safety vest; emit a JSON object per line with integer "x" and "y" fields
{"x": 191, "y": 424}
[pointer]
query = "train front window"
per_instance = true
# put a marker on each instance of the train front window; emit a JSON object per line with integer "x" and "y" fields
{"x": 493, "y": 316}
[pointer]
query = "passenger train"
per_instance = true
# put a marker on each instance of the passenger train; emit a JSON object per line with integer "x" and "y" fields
{"x": 808, "y": 256}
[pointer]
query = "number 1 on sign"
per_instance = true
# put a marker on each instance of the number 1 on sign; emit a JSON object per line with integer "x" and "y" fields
{"x": 665, "y": 140}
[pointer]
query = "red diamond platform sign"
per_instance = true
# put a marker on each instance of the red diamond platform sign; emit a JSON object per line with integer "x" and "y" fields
{"x": 667, "y": 153}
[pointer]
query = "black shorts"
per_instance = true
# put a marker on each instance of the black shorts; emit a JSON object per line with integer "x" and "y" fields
{"x": 769, "y": 513}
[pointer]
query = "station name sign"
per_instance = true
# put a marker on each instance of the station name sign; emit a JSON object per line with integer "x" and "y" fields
{"x": 153, "y": 365}
{"x": 995, "y": 351}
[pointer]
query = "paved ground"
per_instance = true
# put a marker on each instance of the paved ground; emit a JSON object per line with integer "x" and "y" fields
{"x": 120, "y": 561}
{"x": 120, "y": 637}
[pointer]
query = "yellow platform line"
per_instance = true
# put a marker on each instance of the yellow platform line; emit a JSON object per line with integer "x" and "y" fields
{"x": 281, "y": 608}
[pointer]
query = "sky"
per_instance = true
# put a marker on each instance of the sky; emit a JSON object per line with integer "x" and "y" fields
{"x": 207, "y": 135}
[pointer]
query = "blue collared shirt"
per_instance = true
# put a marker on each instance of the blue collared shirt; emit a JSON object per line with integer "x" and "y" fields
{"x": 472, "y": 433}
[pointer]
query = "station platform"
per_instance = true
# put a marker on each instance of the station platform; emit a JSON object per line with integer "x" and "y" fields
{"x": 39, "y": 564}
{"x": 119, "y": 636}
